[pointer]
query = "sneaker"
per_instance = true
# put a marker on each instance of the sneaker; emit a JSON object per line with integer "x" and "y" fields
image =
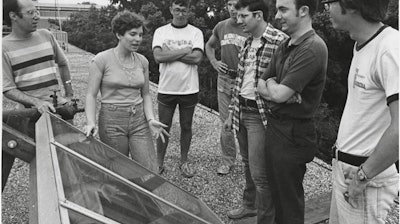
{"x": 241, "y": 212}
{"x": 186, "y": 170}
{"x": 224, "y": 169}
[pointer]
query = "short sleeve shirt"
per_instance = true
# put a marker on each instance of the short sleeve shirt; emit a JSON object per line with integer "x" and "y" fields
{"x": 176, "y": 77}
{"x": 301, "y": 66}
{"x": 373, "y": 83}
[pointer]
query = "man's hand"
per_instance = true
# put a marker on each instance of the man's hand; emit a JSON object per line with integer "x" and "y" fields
{"x": 228, "y": 124}
{"x": 44, "y": 106}
{"x": 296, "y": 98}
{"x": 262, "y": 89}
{"x": 355, "y": 188}
{"x": 219, "y": 66}
{"x": 69, "y": 100}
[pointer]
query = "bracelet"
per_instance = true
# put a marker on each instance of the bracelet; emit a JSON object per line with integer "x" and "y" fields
{"x": 150, "y": 119}
{"x": 68, "y": 81}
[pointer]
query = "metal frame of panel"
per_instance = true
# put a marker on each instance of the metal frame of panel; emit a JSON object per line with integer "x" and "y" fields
{"x": 49, "y": 204}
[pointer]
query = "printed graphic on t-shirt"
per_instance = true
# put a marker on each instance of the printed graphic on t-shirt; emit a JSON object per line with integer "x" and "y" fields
{"x": 250, "y": 61}
{"x": 178, "y": 44}
{"x": 359, "y": 80}
{"x": 234, "y": 39}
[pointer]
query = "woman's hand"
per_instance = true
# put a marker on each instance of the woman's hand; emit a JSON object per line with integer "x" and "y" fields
{"x": 91, "y": 129}
{"x": 157, "y": 129}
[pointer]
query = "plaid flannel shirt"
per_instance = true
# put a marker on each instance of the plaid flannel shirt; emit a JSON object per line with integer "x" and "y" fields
{"x": 270, "y": 40}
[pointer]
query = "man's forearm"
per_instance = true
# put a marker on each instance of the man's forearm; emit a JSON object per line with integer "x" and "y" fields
{"x": 66, "y": 79}
{"x": 20, "y": 97}
{"x": 210, "y": 53}
{"x": 385, "y": 154}
{"x": 193, "y": 58}
{"x": 165, "y": 56}
{"x": 278, "y": 93}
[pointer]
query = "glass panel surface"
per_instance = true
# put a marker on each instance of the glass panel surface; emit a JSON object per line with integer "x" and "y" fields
{"x": 77, "y": 218}
{"x": 89, "y": 187}
{"x": 100, "y": 187}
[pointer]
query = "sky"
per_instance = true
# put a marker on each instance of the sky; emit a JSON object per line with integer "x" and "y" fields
{"x": 99, "y": 2}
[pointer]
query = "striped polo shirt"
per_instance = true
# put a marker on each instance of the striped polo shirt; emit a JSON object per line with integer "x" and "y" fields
{"x": 30, "y": 64}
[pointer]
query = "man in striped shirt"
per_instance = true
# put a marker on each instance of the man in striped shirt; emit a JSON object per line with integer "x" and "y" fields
{"x": 29, "y": 65}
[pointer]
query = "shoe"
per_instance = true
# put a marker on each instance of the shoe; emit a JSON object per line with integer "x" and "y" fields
{"x": 161, "y": 170}
{"x": 186, "y": 170}
{"x": 224, "y": 169}
{"x": 241, "y": 212}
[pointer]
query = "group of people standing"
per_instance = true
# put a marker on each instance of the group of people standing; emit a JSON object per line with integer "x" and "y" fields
{"x": 270, "y": 83}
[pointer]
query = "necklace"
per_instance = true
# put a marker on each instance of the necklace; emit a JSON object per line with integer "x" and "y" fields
{"x": 128, "y": 70}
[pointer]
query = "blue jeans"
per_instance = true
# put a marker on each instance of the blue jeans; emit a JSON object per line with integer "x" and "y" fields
{"x": 125, "y": 128}
{"x": 227, "y": 137}
{"x": 166, "y": 109}
{"x": 251, "y": 137}
{"x": 374, "y": 203}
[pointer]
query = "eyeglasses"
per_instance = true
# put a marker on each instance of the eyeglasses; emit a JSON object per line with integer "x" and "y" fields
{"x": 33, "y": 12}
{"x": 327, "y": 4}
{"x": 177, "y": 11}
{"x": 242, "y": 16}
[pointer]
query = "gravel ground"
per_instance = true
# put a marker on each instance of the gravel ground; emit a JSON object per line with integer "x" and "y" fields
{"x": 220, "y": 193}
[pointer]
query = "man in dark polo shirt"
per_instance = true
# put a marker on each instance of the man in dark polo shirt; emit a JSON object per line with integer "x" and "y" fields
{"x": 298, "y": 68}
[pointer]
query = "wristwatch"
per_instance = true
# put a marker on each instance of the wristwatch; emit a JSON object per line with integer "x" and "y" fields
{"x": 361, "y": 174}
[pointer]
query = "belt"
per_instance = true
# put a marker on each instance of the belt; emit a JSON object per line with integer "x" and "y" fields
{"x": 231, "y": 73}
{"x": 113, "y": 107}
{"x": 348, "y": 158}
{"x": 247, "y": 103}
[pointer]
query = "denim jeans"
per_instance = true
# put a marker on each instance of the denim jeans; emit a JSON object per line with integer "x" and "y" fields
{"x": 290, "y": 145}
{"x": 166, "y": 110}
{"x": 227, "y": 137}
{"x": 374, "y": 203}
{"x": 251, "y": 137}
{"x": 127, "y": 131}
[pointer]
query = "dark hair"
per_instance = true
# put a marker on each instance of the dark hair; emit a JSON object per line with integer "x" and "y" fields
{"x": 125, "y": 21}
{"x": 311, "y": 4}
{"x": 10, "y": 6}
{"x": 254, "y": 5}
{"x": 370, "y": 10}
{"x": 184, "y": 3}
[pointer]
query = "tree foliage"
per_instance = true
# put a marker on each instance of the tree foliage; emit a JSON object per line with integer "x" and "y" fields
{"x": 91, "y": 31}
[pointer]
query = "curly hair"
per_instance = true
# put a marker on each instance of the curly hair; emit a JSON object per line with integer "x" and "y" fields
{"x": 125, "y": 21}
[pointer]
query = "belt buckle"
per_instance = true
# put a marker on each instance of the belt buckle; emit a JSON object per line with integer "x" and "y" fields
{"x": 132, "y": 109}
{"x": 334, "y": 152}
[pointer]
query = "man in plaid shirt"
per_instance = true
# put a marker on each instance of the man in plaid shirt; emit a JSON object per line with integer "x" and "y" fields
{"x": 246, "y": 112}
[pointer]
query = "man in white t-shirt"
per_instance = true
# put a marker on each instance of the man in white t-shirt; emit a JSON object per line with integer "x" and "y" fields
{"x": 365, "y": 180}
{"x": 178, "y": 47}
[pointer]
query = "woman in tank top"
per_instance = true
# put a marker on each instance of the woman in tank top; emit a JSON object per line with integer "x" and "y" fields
{"x": 126, "y": 118}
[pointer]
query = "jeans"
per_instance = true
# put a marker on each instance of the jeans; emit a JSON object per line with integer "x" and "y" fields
{"x": 227, "y": 137}
{"x": 127, "y": 131}
{"x": 374, "y": 203}
{"x": 290, "y": 144}
{"x": 166, "y": 110}
{"x": 251, "y": 138}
